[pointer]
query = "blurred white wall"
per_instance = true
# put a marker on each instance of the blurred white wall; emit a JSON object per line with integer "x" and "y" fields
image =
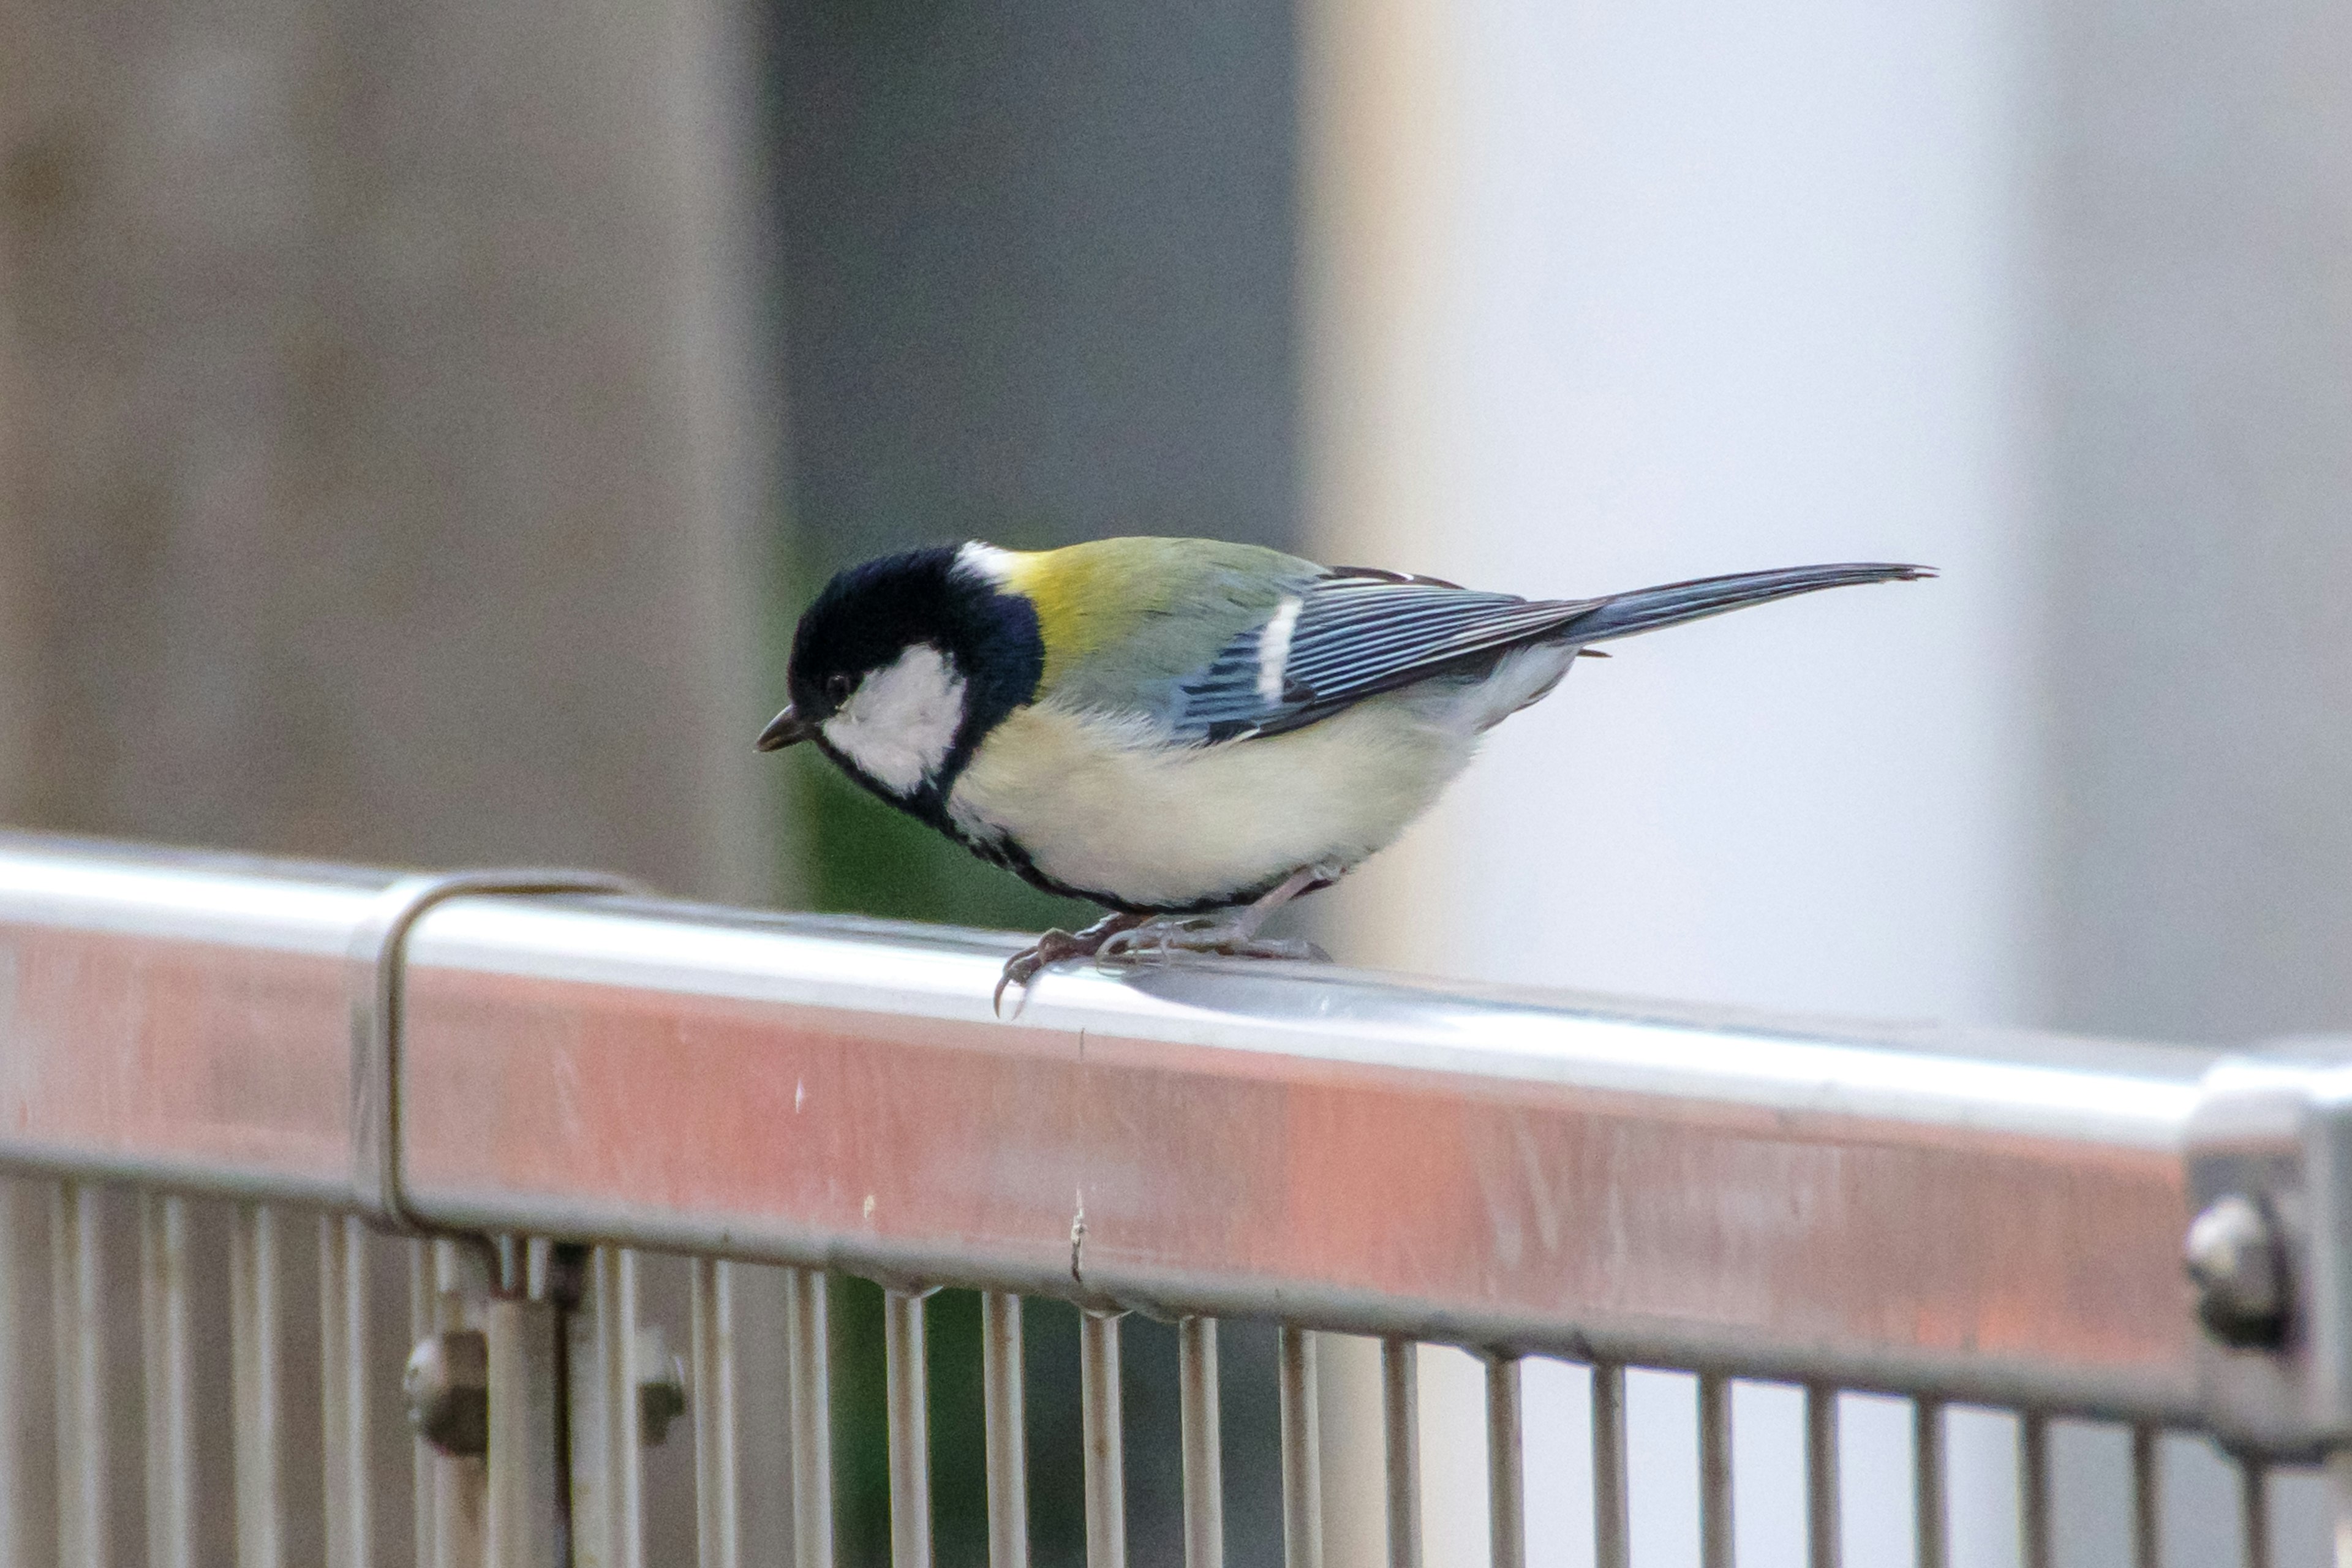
{"x": 1663, "y": 291}
{"x": 1602, "y": 296}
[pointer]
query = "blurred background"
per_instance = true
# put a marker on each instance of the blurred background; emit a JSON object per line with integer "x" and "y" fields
{"x": 421, "y": 421}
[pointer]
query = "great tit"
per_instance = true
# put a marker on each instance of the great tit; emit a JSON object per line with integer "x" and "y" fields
{"x": 1180, "y": 728}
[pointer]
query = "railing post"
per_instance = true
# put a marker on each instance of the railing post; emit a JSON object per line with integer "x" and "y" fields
{"x": 526, "y": 1418}
{"x": 604, "y": 1426}
{"x": 1302, "y": 1450}
{"x": 2268, "y": 1172}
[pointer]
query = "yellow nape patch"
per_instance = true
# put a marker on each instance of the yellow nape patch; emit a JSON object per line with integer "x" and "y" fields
{"x": 1088, "y": 595}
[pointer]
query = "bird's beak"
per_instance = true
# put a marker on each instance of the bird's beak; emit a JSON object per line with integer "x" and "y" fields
{"x": 785, "y": 728}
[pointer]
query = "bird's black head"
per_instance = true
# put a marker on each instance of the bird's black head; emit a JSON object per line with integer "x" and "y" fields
{"x": 903, "y": 664}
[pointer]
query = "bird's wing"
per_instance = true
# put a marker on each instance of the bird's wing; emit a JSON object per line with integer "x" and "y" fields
{"x": 1345, "y": 636}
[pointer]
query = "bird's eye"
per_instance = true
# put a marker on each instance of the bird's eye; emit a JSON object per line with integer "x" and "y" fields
{"x": 837, "y": 689}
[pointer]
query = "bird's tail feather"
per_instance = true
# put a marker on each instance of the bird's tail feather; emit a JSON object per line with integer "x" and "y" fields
{"x": 1647, "y": 609}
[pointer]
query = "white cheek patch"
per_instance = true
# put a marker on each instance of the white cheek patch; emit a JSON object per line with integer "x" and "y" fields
{"x": 902, "y": 721}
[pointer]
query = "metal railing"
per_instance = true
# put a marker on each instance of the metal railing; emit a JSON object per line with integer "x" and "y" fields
{"x": 538, "y": 1084}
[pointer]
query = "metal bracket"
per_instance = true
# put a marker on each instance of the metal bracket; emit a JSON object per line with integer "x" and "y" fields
{"x": 2268, "y": 1156}
{"x": 379, "y": 967}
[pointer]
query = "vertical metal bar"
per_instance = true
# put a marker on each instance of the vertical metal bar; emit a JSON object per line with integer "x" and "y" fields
{"x": 1204, "y": 1442}
{"x": 1007, "y": 1435}
{"x": 525, "y": 1506}
{"x": 2148, "y": 1498}
{"x": 1400, "y": 1423}
{"x": 1302, "y": 1457}
{"x": 423, "y": 1321}
{"x": 2339, "y": 1502}
{"x": 908, "y": 1415}
{"x": 1928, "y": 1509}
{"x": 717, "y": 1509}
{"x": 2033, "y": 1490}
{"x": 1106, "y": 1477}
{"x": 78, "y": 1343}
{"x": 452, "y": 1495}
{"x": 1507, "y": 1503}
{"x": 2253, "y": 1514}
{"x": 809, "y": 1396}
{"x": 342, "y": 1387}
{"x": 169, "y": 1382}
{"x": 20, "y": 1542}
{"x": 253, "y": 1399}
{"x": 607, "y": 1503}
{"x": 1613, "y": 1534}
{"x": 1714, "y": 1471}
{"x": 1824, "y": 1525}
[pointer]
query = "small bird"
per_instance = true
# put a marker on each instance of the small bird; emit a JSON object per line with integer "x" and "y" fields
{"x": 1188, "y": 732}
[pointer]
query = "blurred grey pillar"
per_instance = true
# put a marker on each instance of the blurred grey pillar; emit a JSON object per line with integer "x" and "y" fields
{"x": 383, "y": 404}
{"x": 381, "y": 408}
{"x": 2196, "y": 177}
{"x": 2198, "y": 368}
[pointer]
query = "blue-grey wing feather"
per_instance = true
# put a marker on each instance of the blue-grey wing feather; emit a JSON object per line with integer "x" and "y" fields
{"x": 1355, "y": 635}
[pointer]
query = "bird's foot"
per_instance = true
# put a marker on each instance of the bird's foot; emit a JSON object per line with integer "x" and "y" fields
{"x": 1054, "y": 946}
{"x": 1168, "y": 935}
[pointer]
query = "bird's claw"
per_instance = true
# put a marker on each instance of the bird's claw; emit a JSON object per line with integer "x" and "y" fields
{"x": 1052, "y": 948}
{"x": 1131, "y": 939}
{"x": 1213, "y": 939}
{"x": 1023, "y": 966}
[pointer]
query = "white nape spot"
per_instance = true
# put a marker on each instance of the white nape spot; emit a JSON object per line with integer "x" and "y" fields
{"x": 986, "y": 562}
{"x": 902, "y": 721}
{"x": 1274, "y": 648}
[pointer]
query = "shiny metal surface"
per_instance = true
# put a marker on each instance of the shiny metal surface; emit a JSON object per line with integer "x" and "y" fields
{"x": 1715, "y": 1531}
{"x": 1612, "y": 1539}
{"x": 602, "y": 1416}
{"x": 1401, "y": 1448}
{"x": 1302, "y": 1449}
{"x": 718, "y": 1503}
{"x": 907, "y": 1413}
{"x": 1824, "y": 1542}
{"x": 378, "y": 993}
{"x": 255, "y": 1392}
{"x": 1930, "y": 1517}
{"x": 1200, "y": 1437}
{"x": 2253, "y": 1514}
{"x": 176, "y": 1018}
{"x": 808, "y": 1400}
{"x": 2148, "y": 1498}
{"x": 2339, "y": 1503}
{"x": 450, "y": 1495}
{"x": 1104, "y": 1434}
{"x": 523, "y": 1513}
{"x": 77, "y": 1327}
{"x": 1994, "y": 1218}
{"x": 1998, "y": 1219}
{"x": 1006, "y": 1434}
{"x": 1506, "y": 1489}
{"x": 345, "y": 1422}
{"x": 2033, "y": 1490}
{"x": 168, "y": 1376}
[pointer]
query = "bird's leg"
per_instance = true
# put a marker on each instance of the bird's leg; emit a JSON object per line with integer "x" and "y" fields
{"x": 1231, "y": 936}
{"x": 1057, "y": 946}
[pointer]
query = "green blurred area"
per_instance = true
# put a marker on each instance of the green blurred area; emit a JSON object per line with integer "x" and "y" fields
{"x": 861, "y": 856}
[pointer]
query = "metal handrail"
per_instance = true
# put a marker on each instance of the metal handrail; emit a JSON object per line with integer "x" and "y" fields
{"x": 1905, "y": 1208}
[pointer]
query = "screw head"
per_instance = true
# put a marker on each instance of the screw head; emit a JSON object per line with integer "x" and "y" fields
{"x": 446, "y": 1387}
{"x": 2233, "y": 1255}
